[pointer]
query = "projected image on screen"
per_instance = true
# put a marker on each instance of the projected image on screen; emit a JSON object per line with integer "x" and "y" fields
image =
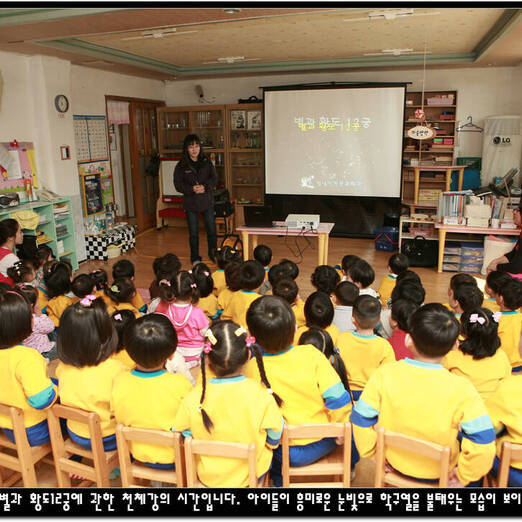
{"x": 344, "y": 142}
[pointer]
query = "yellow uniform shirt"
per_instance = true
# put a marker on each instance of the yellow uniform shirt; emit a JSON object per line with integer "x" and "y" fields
{"x": 42, "y": 300}
{"x": 331, "y": 329}
{"x": 308, "y": 385}
{"x": 219, "y": 281}
{"x": 362, "y": 355}
{"x": 89, "y": 388}
{"x": 56, "y": 307}
{"x": 239, "y": 304}
{"x": 485, "y": 374}
{"x": 106, "y": 299}
{"x": 114, "y": 307}
{"x": 509, "y": 329}
{"x": 242, "y": 411}
{"x": 209, "y": 305}
{"x": 149, "y": 400}
{"x": 25, "y": 384}
{"x": 490, "y": 304}
{"x": 386, "y": 288}
{"x": 425, "y": 401}
{"x": 298, "y": 308}
{"x": 505, "y": 410}
{"x": 138, "y": 303}
{"x": 124, "y": 358}
{"x": 224, "y": 303}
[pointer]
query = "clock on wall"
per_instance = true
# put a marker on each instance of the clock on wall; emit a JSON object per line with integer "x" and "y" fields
{"x": 61, "y": 103}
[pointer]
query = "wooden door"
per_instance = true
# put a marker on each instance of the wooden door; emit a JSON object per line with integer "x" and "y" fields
{"x": 144, "y": 145}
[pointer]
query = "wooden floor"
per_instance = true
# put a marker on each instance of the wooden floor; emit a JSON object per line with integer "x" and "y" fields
{"x": 153, "y": 243}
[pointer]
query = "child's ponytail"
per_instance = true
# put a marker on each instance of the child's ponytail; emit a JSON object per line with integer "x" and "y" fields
{"x": 262, "y": 373}
{"x": 207, "y": 422}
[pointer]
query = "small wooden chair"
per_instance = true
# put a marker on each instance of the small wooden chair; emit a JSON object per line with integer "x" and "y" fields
{"x": 137, "y": 470}
{"x": 63, "y": 449}
{"x": 218, "y": 449}
{"x": 337, "y": 464}
{"x": 508, "y": 453}
{"x": 22, "y": 465}
{"x": 420, "y": 447}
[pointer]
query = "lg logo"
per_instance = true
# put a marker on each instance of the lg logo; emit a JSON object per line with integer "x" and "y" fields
{"x": 497, "y": 140}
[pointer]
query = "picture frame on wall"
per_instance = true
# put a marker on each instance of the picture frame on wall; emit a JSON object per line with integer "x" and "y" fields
{"x": 254, "y": 120}
{"x": 237, "y": 120}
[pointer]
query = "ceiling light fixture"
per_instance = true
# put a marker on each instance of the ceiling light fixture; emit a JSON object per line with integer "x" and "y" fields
{"x": 233, "y": 59}
{"x": 160, "y": 33}
{"x": 389, "y": 14}
{"x": 232, "y": 10}
{"x": 394, "y": 52}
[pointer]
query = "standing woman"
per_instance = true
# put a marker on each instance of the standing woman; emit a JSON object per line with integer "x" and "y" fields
{"x": 195, "y": 177}
{"x": 10, "y": 235}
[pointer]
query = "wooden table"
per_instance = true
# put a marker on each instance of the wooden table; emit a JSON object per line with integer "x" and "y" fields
{"x": 447, "y": 169}
{"x": 462, "y": 229}
{"x": 322, "y": 234}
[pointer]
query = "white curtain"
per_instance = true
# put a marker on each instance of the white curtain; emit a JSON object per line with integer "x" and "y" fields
{"x": 118, "y": 111}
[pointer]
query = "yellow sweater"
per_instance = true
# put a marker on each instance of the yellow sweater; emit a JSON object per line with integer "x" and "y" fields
{"x": 509, "y": 329}
{"x": 331, "y": 329}
{"x": 219, "y": 281}
{"x": 386, "y": 288}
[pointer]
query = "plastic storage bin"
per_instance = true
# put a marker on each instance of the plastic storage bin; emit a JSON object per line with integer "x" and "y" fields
{"x": 387, "y": 239}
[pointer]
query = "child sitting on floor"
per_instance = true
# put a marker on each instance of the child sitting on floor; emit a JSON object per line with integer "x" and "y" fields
{"x": 148, "y": 396}
{"x": 82, "y": 285}
{"x": 397, "y": 264}
{"x": 362, "y": 275}
{"x": 325, "y": 278}
{"x": 465, "y": 297}
{"x": 23, "y": 272}
{"x": 233, "y": 281}
{"x": 58, "y": 282}
{"x": 401, "y": 311}
{"x": 509, "y": 299}
{"x": 263, "y": 254}
{"x": 287, "y": 290}
{"x": 319, "y": 313}
{"x": 309, "y": 387}
{"x": 344, "y": 298}
{"x": 121, "y": 294}
{"x": 494, "y": 281}
{"x": 125, "y": 268}
{"x": 207, "y": 300}
{"x": 122, "y": 320}
{"x": 347, "y": 261}
{"x": 164, "y": 267}
{"x": 224, "y": 255}
{"x": 231, "y": 408}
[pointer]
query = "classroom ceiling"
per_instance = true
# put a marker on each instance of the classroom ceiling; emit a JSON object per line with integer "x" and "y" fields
{"x": 182, "y": 43}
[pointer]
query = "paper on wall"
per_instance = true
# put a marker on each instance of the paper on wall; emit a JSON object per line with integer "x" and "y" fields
{"x": 13, "y": 169}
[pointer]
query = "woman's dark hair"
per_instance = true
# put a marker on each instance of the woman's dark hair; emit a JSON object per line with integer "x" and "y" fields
{"x": 122, "y": 290}
{"x": 29, "y": 292}
{"x": 346, "y": 293}
{"x": 43, "y": 254}
{"x": 232, "y": 278}
{"x": 410, "y": 290}
{"x": 8, "y": 228}
{"x": 99, "y": 276}
{"x": 401, "y": 311}
{"x": 189, "y": 140}
{"x": 325, "y": 278}
{"x": 166, "y": 267}
{"x": 20, "y": 271}
{"x": 122, "y": 319}
{"x": 86, "y": 336}
{"x": 497, "y": 279}
{"x": 481, "y": 333}
{"x": 203, "y": 278}
{"x": 272, "y": 322}
{"x": 263, "y": 254}
{"x": 228, "y": 354}
{"x": 16, "y": 318}
{"x": 57, "y": 277}
{"x": 361, "y": 272}
{"x": 468, "y": 296}
{"x": 398, "y": 263}
{"x": 225, "y": 255}
{"x": 251, "y": 274}
{"x": 318, "y": 310}
{"x": 433, "y": 329}
{"x": 292, "y": 270}
{"x": 322, "y": 340}
{"x": 150, "y": 340}
{"x": 511, "y": 293}
{"x": 408, "y": 275}
{"x": 182, "y": 286}
{"x": 348, "y": 261}
{"x": 461, "y": 279}
{"x": 82, "y": 285}
{"x": 367, "y": 311}
{"x": 123, "y": 268}
{"x": 286, "y": 289}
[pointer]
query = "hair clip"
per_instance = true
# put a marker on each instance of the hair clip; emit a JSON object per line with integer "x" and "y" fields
{"x": 87, "y": 300}
{"x": 239, "y": 331}
{"x": 206, "y": 274}
{"x": 115, "y": 289}
{"x": 193, "y": 285}
{"x": 207, "y": 348}
{"x": 164, "y": 282}
{"x": 209, "y": 334}
{"x": 475, "y": 318}
{"x": 117, "y": 317}
{"x": 249, "y": 341}
{"x": 269, "y": 390}
{"x": 336, "y": 350}
{"x": 497, "y": 316}
{"x": 332, "y": 359}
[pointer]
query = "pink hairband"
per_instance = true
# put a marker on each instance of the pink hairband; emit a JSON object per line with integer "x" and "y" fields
{"x": 87, "y": 300}
{"x": 164, "y": 282}
{"x": 193, "y": 285}
{"x": 117, "y": 317}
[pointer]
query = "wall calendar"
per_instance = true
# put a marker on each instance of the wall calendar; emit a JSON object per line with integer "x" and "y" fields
{"x": 90, "y": 135}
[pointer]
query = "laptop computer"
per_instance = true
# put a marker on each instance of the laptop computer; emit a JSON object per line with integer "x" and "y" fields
{"x": 258, "y": 216}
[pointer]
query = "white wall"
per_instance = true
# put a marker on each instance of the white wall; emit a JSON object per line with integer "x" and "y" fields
{"x": 481, "y": 91}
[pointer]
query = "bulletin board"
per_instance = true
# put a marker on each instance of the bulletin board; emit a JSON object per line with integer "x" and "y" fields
{"x": 92, "y": 193}
{"x": 17, "y": 163}
{"x": 90, "y": 136}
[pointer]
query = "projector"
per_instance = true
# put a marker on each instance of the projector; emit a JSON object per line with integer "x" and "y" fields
{"x": 300, "y": 221}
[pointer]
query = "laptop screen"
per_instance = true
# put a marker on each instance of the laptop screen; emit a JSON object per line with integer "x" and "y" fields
{"x": 258, "y": 216}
